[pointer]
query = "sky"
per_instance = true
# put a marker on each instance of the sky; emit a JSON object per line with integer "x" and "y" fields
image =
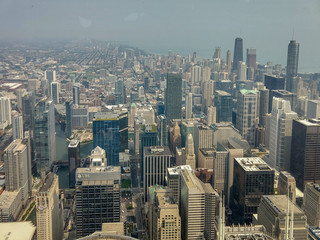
{"x": 183, "y": 26}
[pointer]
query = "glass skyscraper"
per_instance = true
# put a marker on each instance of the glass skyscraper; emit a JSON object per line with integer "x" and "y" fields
{"x": 173, "y": 97}
{"x": 292, "y": 67}
{"x": 238, "y": 53}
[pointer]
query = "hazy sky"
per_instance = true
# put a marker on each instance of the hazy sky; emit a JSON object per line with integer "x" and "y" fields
{"x": 183, "y": 26}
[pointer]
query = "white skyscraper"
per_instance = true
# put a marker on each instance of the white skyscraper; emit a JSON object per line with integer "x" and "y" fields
{"x": 5, "y": 112}
{"x": 206, "y": 74}
{"x": 280, "y": 134}
{"x": 17, "y": 127}
{"x": 189, "y": 105}
{"x": 195, "y": 74}
{"x": 211, "y": 115}
{"x": 242, "y": 71}
{"x": 190, "y": 156}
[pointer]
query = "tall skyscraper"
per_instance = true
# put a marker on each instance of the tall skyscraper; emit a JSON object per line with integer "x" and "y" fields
{"x": 68, "y": 118}
{"x": 207, "y": 93}
{"x": 305, "y": 152}
{"x": 223, "y": 102}
{"x": 190, "y": 157}
{"x": 5, "y": 112}
{"x": 120, "y": 92}
{"x": 203, "y": 138}
{"x": 238, "y": 53}
{"x": 17, "y": 161}
{"x": 287, "y": 185}
{"x": 44, "y": 135}
{"x": 292, "y": 67}
{"x": 76, "y": 94}
{"x": 252, "y": 179}
{"x": 246, "y": 114}
{"x": 74, "y": 161}
{"x": 229, "y": 61}
{"x": 173, "y": 96}
{"x": 198, "y": 202}
{"x": 280, "y": 134}
{"x": 50, "y": 75}
{"x": 211, "y": 115}
{"x": 263, "y": 105}
{"x": 110, "y": 132}
{"x": 17, "y": 127}
{"x": 273, "y": 83}
{"x": 195, "y": 74}
{"x": 189, "y": 105}
{"x": 251, "y": 63}
{"x": 97, "y": 195}
{"x": 28, "y": 107}
{"x": 155, "y": 163}
{"x": 55, "y": 92}
{"x": 311, "y": 203}
{"x": 242, "y": 71}
{"x": 49, "y": 210}
{"x": 162, "y": 130}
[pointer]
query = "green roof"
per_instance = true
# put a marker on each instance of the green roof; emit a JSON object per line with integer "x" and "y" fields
{"x": 245, "y": 91}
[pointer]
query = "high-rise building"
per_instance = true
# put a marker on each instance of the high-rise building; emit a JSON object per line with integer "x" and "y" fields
{"x": 5, "y": 112}
{"x": 203, "y": 138}
{"x": 28, "y": 107}
{"x": 287, "y": 185}
{"x": 311, "y": 203}
{"x": 76, "y": 94}
{"x": 173, "y": 96}
{"x": 280, "y": 134}
{"x": 206, "y": 74}
{"x": 17, "y": 161}
{"x": 211, "y": 115}
{"x": 252, "y": 179}
{"x": 79, "y": 116}
{"x": 68, "y": 119}
{"x": 279, "y": 222}
{"x": 50, "y": 75}
{"x": 74, "y": 161}
{"x": 273, "y": 83}
{"x": 55, "y": 92}
{"x": 263, "y": 105}
{"x": 49, "y": 210}
{"x": 190, "y": 157}
{"x": 207, "y": 91}
{"x": 189, "y": 105}
{"x": 155, "y": 163}
{"x": 305, "y": 152}
{"x": 292, "y": 67}
{"x": 120, "y": 91}
{"x": 246, "y": 114}
{"x": 97, "y": 195}
{"x": 195, "y": 74}
{"x": 238, "y": 53}
{"x": 229, "y": 61}
{"x": 251, "y": 58}
{"x": 242, "y": 71}
{"x": 165, "y": 221}
{"x": 313, "y": 109}
{"x": 17, "y": 127}
{"x": 110, "y": 132}
{"x": 223, "y": 102}
{"x": 285, "y": 95}
{"x": 162, "y": 130}
{"x": 198, "y": 202}
{"x": 44, "y": 135}
{"x": 175, "y": 138}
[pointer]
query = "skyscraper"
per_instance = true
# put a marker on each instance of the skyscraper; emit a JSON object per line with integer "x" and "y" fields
{"x": 305, "y": 152}
{"x": 238, "y": 53}
{"x": 17, "y": 127}
{"x": 76, "y": 94}
{"x": 50, "y": 75}
{"x": 44, "y": 135}
{"x": 173, "y": 96}
{"x": 246, "y": 114}
{"x": 120, "y": 91}
{"x": 28, "y": 107}
{"x": 55, "y": 92}
{"x": 273, "y": 83}
{"x": 190, "y": 158}
{"x": 74, "y": 161}
{"x": 49, "y": 210}
{"x": 292, "y": 67}
{"x": 5, "y": 112}
{"x": 311, "y": 203}
{"x": 68, "y": 118}
{"x": 223, "y": 102}
{"x": 162, "y": 130}
{"x": 155, "y": 163}
{"x": 229, "y": 61}
{"x": 195, "y": 74}
{"x": 189, "y": 105}
{"x": 242, "y": 71}
{"x": 251, "y": 63}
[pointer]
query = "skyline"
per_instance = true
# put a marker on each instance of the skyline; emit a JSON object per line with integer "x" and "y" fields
{"x": 178, "y": 26}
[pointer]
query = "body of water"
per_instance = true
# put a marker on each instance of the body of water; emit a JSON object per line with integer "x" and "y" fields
{"x": 62, "y": 154}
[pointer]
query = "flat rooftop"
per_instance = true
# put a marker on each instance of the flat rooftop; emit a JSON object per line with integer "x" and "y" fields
{"x": 279, "y": 204}
{"x": 222, "y": 93}
{"x": 17, "y": 230}
{"x": 176, "y": 170}
{"x": 253, "y": 164}
{"x": 157, "y": 150}
{"x": 74, "y": 143}
{"x": 47, "y": 183}
{"x": 6, "y": 198}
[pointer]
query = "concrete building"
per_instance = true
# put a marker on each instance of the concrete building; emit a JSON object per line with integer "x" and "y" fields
{"x": 5, "y": 112}
{"x": 49, "y": 210}
{"x": 211, "y": 115}
{"x": 17, "y": 127}
{"x": 74, "y": 161}
{"x": 287, "y": 185}
{"x": 155, "y": 163}
{"x": 198, "y": 202}
{"x": 252, "y": 179}
{"x": 10, "y": 205}
{"x": 313, "y": 109}
{"x": 311, "y": 203}
{"x": 79, "y": 116}
{"x": 17, "y": 230}
{"x": 195, "y": 74}
{"x": 190, "y": 157}
{"x": 203, "y": 136}
{"x": 189, "y": 104}
{"x": 272, "y": 213}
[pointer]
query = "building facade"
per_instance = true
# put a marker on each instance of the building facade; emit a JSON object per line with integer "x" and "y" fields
{"x": 173, "y": 96}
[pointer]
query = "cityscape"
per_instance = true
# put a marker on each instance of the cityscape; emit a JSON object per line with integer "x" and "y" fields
{"x": 107, "y": 140}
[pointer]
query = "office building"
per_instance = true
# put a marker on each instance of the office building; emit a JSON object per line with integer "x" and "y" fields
{"x": 263, "y": 105}
{"x": 76, "y": 94}
{"x": 79, "y": 116}
{"x": 292, "y": 67}
{"x": 223, "y": 103}
{"x": 189, "y": 104}
{"x": 10, "y": 205}
{"x": 273, "y": 82}
{"x": 279, "y": 222}
{"x": 17, "y": 127}
{"x": 5, "y": 112}
{"x": 49, "y": 210}
{"x": 287, "y": 185}
{"x": 175, "y": 138}
{"x": 211, "y": 115}
{"x": 252, "y": 179}
{"x": 313, "y": 109}
{"x": 97, "y": 195}
{"x": 120, "y": 91}
{"x": 190, "y": 157}
{"x": 285, "y": 95}
{"x": 165, "y": 221}
{"x": 110, "y": 132}
{"x": 155, "y": 163}
{"x": 229, "y": 61}
{"x": 18, "y": 230}
{"x": 195, "y": 74}
{"x": 238, "y": 53}
{"x": 28, "y": 107}
{"x": 223, "y": 132}
{"x": 55, "y": 92}
{"x": 17, "y": 161}
{"x": 198, "y": 202}
{"x": 162, "y": 130}
{"x": 311, "y": 203}
{"x": 242, "y": 71}
{"x": 246, "y": 232}
{"x": 251, "y": 58}
{"x": 305, "y": 152}
{"x": 207, "y": 92}
{"x": 173, "y": 97}
{"x": 246, "y": 114}
{"x": 44, "y": 135}
{"x": 206, "y": 74}
{"x": 74, "y": 161}
{"x": 280, "y": 133}
{"x": 50, "y": 75}
{"x": 203, "y": 136}
{"x": 68, "y": 119}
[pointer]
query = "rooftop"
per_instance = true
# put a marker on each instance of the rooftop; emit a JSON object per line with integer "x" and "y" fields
{"x": 176, "y": 170}
{"x": 6, "y": 198}
{"x": 17, "y": 230}
{"x": 74, "y": 143}
{"x": 253, "y": 164}
{"x": 222, "y": 93}
{"x": 279, "y": 204}
{"x": 48, "y": 182}
{"x": 157, "y": 150}
{"x": 245, "y": 91}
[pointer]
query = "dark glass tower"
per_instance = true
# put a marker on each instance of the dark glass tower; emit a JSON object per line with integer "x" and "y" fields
{"x": 238, "y": 53}
{"x": 68, "y": 119}
{"x": 173, "y": 97}
{"x": 223, "y": 103}
{"x": 76, "y": 94}
{"x": 292, "y": 67}
{"x": 273, "y": 83}
{"x": 74, "y": 161}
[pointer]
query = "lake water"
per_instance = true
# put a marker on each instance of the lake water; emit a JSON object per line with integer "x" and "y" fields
{"x": 62, "y": 154}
